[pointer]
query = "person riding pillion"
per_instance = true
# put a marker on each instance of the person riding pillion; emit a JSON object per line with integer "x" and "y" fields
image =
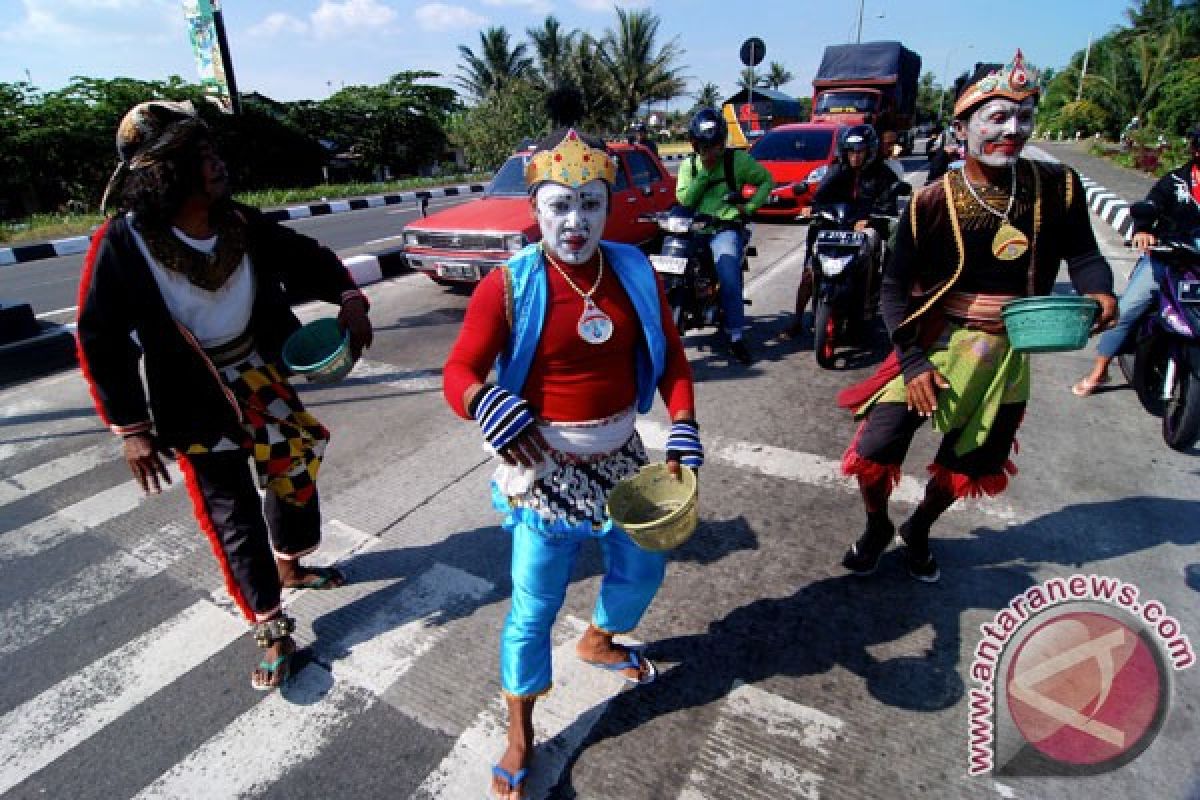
{"x": 710, "y": 182}
{"x": 859, "y": 178}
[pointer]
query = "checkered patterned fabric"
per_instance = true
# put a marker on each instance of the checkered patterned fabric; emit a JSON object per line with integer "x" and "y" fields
{"x": 286, "y": 441}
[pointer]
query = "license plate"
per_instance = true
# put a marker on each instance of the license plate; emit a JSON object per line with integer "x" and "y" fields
{"x": 672, "y": 265}
{"x": 1189, "y": 292}
{"x": 842, "y": 237}
{"x": 457, "y": 271}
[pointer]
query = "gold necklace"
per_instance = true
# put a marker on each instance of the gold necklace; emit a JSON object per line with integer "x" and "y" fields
{"x": 594, "y": 326}
{"x": 1009, "y": 243}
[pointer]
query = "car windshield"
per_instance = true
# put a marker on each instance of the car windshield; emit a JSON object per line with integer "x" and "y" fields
{"x": 847, "y": 103}
{"x": 793, "y": 146}
{"x": 509, "y": 180}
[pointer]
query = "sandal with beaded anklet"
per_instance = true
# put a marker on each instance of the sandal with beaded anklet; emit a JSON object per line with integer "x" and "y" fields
{"x": 278, "y": 669}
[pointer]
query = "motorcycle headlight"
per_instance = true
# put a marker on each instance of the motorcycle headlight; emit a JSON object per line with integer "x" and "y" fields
{"x": 411, "y": 239}
{"x": 818, "y": 174}
{"x": 677, "y": 224}
{"x": 514, "y": 242}
{"x": 832, "y": 266}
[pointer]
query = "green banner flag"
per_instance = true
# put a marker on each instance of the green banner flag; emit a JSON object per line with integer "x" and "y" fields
{"x": 210, "y": 62}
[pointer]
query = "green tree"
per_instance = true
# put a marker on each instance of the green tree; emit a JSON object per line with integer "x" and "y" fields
{"x": 637, "y": 68}
{"x": 496, "y": 65}
{"x": 708, "y": 96}
{"x": 1179, "y": 110}
{"x": 749, "y": 79}
{"x": 587, "y": 72}
{"x": 492, "y": 129}
{"x": 777, "y": 76}
{"x": 552, "y": 46}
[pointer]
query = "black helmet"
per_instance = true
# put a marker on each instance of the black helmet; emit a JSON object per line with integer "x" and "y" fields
{"x": 860, "y": 138}
{"x": 638, "y": 127}
{"x": 707, "y": 128}
{"x": 1193, "y": 137}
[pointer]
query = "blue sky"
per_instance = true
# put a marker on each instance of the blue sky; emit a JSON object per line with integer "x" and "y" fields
{"x": 308, "y": 48}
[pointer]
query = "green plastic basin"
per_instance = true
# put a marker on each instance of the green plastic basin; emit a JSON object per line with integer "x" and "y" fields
{"x": 319, "y": 351}
{"x": 1049, "y": 324}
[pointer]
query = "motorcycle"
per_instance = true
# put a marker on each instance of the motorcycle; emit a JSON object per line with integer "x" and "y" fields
{"x": 685, "y": 265}
{"x": 1161, "y": 359}
{"x": 846, "y": 271}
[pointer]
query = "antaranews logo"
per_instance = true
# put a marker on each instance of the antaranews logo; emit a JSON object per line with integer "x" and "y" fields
{"x": 1073, "y": 678}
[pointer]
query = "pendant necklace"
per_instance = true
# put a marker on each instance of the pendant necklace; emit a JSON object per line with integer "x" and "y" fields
{"x": 594, "y": 326}
{"x": 1009, "y": 243}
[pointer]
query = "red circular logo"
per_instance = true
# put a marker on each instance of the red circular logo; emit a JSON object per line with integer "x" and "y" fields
{"x": 1085, "y": 688}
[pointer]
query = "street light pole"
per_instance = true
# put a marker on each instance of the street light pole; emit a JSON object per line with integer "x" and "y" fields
{"x": 945, "y": 75}
{"x": 858, "y": 39}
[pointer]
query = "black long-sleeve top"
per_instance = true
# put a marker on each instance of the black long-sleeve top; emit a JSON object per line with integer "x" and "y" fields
{"x": 860, "y": 190}
{"x": 183, "y": 392}
{"x": 925, "y": 261}
{"x": 1173, "y": 197}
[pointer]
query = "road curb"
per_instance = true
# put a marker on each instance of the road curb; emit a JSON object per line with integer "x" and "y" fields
{"x": 49, "y": 351}
{"x": 23, "y": 254}
{"x": 1104, "y": 203}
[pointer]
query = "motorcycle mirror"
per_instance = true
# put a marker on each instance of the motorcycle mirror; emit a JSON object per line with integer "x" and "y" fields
{"x": 1144, "y": 211}
{"x": 799, "y": 187}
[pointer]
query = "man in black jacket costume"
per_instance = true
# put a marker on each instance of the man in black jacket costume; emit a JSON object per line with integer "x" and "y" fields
{"x": 199, "y": 281}
{"x": 991, "y": 232}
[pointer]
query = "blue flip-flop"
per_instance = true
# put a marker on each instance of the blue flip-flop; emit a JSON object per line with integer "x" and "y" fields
{"x": 635, "y": 661}
{"x": 511, "y": 779}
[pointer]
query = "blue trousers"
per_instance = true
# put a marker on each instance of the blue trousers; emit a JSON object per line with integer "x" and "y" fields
{"x": 726, "y": 249}
{"x": 1134, "y": 302}
{"x": 541, "y": 570}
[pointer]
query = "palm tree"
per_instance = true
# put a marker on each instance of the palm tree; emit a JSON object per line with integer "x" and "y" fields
{"x": 495, "y": 66}
{"x": 709, "y": 96}
{"x": 552, "y": 46}
{"x": 637, "y": 69}
{"x": 747, "y": 79}
{"x": 585, "y": 70}
{"x": 777, "y": 76}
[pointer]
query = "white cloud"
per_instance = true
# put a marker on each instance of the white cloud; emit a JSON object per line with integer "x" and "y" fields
{"x": 536, "y": 6}
{"x": 442, "y": 17}
{"x": 68, "y": 23}
{"x": 276, "y": 24}
{"x": 334, "y": 19}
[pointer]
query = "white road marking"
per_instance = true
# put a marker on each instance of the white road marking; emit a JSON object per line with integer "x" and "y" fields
{"x": 728, "y": 747}
{"x": 44, "y": 728}
{"x": 382, "y": 374}
{"x": 291, "y": 727}
{"x": 564, "y": 718}
{"x": 807, "y": 468}
{"x": 51, "y": 530}
{"x": 45, "y": 611}
{"x": 54, "y": 472}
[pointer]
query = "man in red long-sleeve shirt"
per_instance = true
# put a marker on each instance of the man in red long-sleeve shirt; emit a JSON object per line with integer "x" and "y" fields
{"x": 581, "y": 337}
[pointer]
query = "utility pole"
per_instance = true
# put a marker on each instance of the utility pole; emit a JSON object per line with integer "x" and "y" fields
{"x": 1083, "y": 73}
{"x": 858, "y": 39}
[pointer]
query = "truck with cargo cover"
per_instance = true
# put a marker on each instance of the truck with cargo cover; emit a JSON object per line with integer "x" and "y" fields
{"x": 871, "y": 82}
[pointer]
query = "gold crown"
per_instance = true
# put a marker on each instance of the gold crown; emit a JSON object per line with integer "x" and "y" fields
{"x": 1012, "y": 81}
{"x": 572, "y": 163}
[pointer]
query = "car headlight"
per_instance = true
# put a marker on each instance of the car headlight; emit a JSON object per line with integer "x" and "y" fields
{"x": 514, "y": 242}
{"x": 832, "y": 266}
{"x": 818, "y": 174}
{"x": 411, "y": 239}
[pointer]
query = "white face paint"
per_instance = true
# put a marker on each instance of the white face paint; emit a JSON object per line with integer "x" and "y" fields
{"x": 571, "y": 219}
{"x": 997, "y": 131}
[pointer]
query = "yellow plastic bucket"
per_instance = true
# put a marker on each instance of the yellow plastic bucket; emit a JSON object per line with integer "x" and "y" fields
{"x": 657, "y": 510}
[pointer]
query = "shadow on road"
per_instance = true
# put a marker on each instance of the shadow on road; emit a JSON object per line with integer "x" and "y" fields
{"x": 837, "y": 621}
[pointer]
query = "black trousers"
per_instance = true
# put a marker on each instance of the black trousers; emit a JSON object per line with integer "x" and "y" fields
{"x": 246, "y": 530}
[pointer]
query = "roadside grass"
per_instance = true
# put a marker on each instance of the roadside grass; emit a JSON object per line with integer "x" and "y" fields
{"x": 46, "y": 227}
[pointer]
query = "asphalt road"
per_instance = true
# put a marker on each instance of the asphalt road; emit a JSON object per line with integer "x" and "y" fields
{"x": 126, "y": 670}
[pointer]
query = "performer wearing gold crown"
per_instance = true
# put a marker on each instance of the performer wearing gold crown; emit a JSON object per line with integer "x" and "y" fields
{"x": 581, "y": 338}
{"x": 991, "y": 232}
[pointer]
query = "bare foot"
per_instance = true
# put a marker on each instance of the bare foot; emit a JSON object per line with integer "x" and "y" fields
{"x": 597, "y": 647}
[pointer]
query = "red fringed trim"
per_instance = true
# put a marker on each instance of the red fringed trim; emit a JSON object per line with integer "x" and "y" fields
{"x": 214, "y": 541}
{"x": 867, "y": 471}
{"x": 85, "y": 286}
{"x": 961, "y": 485}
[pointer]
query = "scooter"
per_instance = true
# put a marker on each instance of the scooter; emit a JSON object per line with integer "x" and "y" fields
{"x": 686, "y": 267}
{"x": 1161, "y": 359}
{"x": 846, "y": 272}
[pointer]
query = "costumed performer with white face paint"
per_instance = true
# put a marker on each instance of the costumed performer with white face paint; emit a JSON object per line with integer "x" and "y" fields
{"x": 581, "y": 336}
{"x": 991, "y": 232}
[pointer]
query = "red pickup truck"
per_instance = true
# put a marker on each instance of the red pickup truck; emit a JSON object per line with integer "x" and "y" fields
{"x": 461, "y": 244}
